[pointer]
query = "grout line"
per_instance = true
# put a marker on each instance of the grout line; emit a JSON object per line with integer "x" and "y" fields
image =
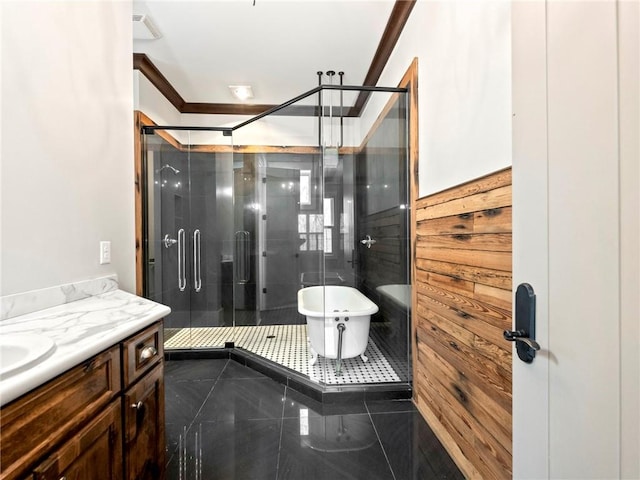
{"x": 384, "y": 452}
{"x": 188, "y": 428}
{"x": 215, "y": 382}
{"x": 284, "y": 404}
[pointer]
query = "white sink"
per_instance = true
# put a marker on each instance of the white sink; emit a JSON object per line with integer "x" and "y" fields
{"x": 21, "y": 351}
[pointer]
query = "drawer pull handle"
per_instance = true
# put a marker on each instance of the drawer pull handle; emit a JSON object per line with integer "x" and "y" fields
{"x": 137, "y": 406}
{"x": 64, "y": 477}
{"x": 147, "y": 353}
{"x": 89, "y": 366}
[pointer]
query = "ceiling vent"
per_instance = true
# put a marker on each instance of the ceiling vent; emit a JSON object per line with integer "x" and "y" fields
{"x": 144, "y": 28}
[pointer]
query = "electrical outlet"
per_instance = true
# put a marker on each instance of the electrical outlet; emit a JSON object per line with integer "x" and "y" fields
{"x": 105, "y": 252}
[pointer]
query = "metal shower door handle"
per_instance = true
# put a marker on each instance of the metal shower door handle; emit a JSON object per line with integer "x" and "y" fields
{"x": 182, "y": 270}
{"x": 197, "y": 271}
{"x": 243, "y": 258}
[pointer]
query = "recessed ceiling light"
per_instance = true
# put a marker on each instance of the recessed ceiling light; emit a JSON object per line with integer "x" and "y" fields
{"x": 241, "y": 92}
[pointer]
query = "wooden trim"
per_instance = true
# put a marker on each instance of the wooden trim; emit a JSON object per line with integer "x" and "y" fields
{"x": 225, "y": 108}
{"x": 384, "y": 114}
{"x": 410, "y": 81}
{"x": 397, "y": 20}
{"x": 142, "y": 120}
{"x": 142, "y": 63}
{"x": 138, "y": 180}
{"x": 497, "y": 179}
{"x": 170, "y": 139}
{"x": 145, "y": 121}
{"x": 252, "y": 149}
{"x": 294, "y": 149}
{"x": 251, "y": 109}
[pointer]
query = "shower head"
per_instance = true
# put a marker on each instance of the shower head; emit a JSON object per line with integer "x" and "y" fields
{"x": 174, "y": 170}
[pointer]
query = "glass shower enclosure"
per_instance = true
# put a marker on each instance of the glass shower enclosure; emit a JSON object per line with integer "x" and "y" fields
{"x": 238, "y": 219}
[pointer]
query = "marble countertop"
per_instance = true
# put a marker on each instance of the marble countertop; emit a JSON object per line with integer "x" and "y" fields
{"x": 80, "y": 329}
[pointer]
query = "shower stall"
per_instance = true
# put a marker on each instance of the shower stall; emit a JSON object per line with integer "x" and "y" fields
{"x": 237, "y": 219}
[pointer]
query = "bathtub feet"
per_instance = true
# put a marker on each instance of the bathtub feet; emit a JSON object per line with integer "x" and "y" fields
{"x": 314, "y": 356}
{"x": 364, "y": 358}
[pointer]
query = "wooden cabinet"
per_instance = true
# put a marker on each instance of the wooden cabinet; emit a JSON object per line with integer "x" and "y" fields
{"x": 144, "y": 427}
{"x": 43, "y": 418}
{"x": 94, "y": 453}
{"x": 103, "y": 419}
{"x": 141, "y": 352}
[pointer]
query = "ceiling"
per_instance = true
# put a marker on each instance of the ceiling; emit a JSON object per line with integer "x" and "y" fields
{"x": 275, "y": 46}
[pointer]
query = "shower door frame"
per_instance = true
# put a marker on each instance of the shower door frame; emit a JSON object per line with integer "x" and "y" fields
{"x": 194, "y": 236}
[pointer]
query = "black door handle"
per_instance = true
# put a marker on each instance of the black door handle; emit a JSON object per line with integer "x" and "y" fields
{"x": 525, "y": 332}
{"x": 520, "y": 336}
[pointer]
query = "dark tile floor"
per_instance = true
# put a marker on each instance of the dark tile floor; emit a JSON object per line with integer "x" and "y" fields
{"x": 226, "y": 421}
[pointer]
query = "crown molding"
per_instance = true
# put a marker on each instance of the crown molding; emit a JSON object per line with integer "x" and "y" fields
{"x": 397, "y": 20}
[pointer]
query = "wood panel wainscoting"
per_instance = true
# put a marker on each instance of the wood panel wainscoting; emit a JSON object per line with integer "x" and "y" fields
{"x": 462, "y": 304}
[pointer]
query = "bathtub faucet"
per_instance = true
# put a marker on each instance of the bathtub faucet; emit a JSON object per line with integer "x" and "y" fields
{"x": 341, "y": 329}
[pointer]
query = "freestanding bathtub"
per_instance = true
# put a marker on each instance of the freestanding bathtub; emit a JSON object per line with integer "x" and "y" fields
{"x": 337, "y": 317}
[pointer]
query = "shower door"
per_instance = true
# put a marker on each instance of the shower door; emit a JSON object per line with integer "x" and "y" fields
{"x": 281, "y": 278}
{"x": 223, "y": 239}
{"x": 189, "y": 250}
{"x": 266, "y": 203}
{"x": 244, "y": 248}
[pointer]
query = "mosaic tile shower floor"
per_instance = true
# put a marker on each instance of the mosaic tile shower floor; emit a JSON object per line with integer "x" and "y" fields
{"x": 287, "y": 345}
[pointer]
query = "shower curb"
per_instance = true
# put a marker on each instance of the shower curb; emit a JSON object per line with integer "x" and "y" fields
{"x": 325, "y": 394}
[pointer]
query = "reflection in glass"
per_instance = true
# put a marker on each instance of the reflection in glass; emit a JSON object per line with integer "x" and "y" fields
{"x": 301, "y": 219}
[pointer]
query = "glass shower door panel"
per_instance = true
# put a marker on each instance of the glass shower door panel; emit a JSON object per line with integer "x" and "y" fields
{"x": 167, "y": 223}
{"x": 189, "y": 224}
{"x": 282, "y": 276}
{"x": 209, "y": 234}
{"x": 246, "y": 212}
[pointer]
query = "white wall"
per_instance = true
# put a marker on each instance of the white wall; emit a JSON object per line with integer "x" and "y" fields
{"x": 67, "y": 150}
{"x": 464, "y": 88}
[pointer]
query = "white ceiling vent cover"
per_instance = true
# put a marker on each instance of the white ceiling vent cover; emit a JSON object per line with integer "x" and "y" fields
{"x": 144, "y": 28}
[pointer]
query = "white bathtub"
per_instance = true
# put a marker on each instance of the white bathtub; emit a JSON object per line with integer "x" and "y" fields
{"x": 328, "y": 306}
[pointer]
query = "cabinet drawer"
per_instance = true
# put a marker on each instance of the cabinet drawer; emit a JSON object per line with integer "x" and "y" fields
{"x": 95, "y": 452}
{"x": 39, "y": 420}
{"x": 141, "y": 352}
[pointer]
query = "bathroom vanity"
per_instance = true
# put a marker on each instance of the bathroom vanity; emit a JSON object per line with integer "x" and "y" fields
{"x": 100, "y": 412}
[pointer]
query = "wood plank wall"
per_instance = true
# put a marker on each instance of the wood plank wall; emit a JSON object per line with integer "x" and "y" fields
{"x": 462, "y": 364}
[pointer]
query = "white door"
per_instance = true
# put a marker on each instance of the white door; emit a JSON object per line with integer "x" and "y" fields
{"x": 575, "y": 197}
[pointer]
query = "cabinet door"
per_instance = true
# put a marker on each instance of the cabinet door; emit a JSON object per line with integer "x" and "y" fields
{"x": 54, "y": 410}
{"x": 95, "y": 452}
{"x": 144, "y": 427}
